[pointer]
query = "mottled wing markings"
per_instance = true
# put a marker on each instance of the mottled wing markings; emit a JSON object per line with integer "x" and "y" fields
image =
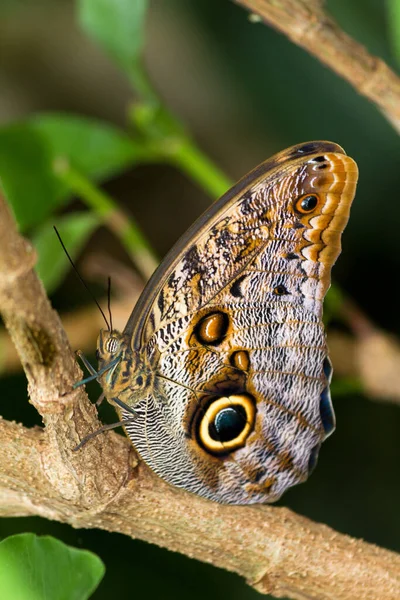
{"x": 219, "y": 254}
{"x": 255, "y": 258}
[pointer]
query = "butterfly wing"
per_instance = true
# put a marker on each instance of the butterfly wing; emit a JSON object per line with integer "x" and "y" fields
{"x": 231, "y": 322}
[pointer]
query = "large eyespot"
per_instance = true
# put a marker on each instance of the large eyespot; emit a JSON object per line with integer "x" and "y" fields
{"x": 212, "y": 328}
{"x": 306, "y": 204}
{"x": 227, "y": 423}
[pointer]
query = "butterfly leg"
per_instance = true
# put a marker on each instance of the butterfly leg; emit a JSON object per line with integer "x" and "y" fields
{"x": 125, "y": 407}
{"x": 85, "y": 362}
{"x": 100, "y": 399}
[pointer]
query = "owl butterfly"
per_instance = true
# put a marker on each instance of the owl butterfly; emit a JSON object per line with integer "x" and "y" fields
{"x": 222, "y": 371}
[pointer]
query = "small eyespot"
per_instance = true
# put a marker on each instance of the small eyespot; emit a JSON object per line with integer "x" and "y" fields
{"x": 280, "y": 290}
{"x": 227, "y": 423}
{"x": 306, "y": 204}
{"x": 139, "y": 380}
{"x": 240, "y": 359}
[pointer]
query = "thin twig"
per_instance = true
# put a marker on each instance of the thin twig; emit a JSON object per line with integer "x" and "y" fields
{"x": 308, "y": 25}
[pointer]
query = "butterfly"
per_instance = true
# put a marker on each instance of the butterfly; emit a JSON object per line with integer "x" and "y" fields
{"x": 221, "y": 375}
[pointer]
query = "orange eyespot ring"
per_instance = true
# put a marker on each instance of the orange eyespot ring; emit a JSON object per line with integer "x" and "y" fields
{"x": 306, "y": 204}
{"x": 227, "y": 423}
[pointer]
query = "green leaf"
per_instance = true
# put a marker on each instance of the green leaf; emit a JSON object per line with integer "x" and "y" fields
{"x": 31, "y": 150}
{"x": 25, "y": 174}
{"x": 393, "y": 21}
{"x": 43, "y": 568}
{"x": 94, "y": 148}
{"x": 117, "y": 26}
{"x": 74, "y": 229}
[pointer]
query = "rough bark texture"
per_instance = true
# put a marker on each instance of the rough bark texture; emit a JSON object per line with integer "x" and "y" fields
{"x": 277, "y": 551}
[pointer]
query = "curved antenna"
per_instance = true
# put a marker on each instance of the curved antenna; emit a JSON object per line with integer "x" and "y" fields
{"x": 80, "y": 278}
{"x": 109, "y": 303}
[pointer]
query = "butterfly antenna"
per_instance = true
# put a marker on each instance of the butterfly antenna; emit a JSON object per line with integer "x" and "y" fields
{"x": 109, "y": 303}
{"x": 81, "y": 279}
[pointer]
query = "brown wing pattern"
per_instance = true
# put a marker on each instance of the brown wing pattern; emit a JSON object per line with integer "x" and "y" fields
{"x": 231, "y": 326}
{"x": 258, "y": 210}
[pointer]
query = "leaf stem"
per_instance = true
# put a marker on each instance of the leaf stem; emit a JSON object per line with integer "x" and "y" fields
{"x": 192, "y": 161}
{"x": 165, "y": 138}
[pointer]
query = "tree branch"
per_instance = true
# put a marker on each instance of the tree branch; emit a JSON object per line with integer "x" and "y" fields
{"x": 277, "y": 551}
{"x": 83, "y": 325}
{"x": 105, "y": 486}
{"x": 306, "y": 24}
{"x": 51, "y": 370}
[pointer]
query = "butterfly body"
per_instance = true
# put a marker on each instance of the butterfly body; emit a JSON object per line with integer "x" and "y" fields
{"x": 130, "y": 375}
{"x": 224, "y": 361}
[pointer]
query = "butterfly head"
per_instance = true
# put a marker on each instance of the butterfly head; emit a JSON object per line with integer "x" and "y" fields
{"x": 123, "y": 372}
{"x": 110, "y": 345}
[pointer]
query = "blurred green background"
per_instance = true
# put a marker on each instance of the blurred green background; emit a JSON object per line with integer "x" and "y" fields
{"x": 243, "y": 92}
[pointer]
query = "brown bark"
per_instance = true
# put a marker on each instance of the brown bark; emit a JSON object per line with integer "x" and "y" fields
{"x": 277, "y": 551}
